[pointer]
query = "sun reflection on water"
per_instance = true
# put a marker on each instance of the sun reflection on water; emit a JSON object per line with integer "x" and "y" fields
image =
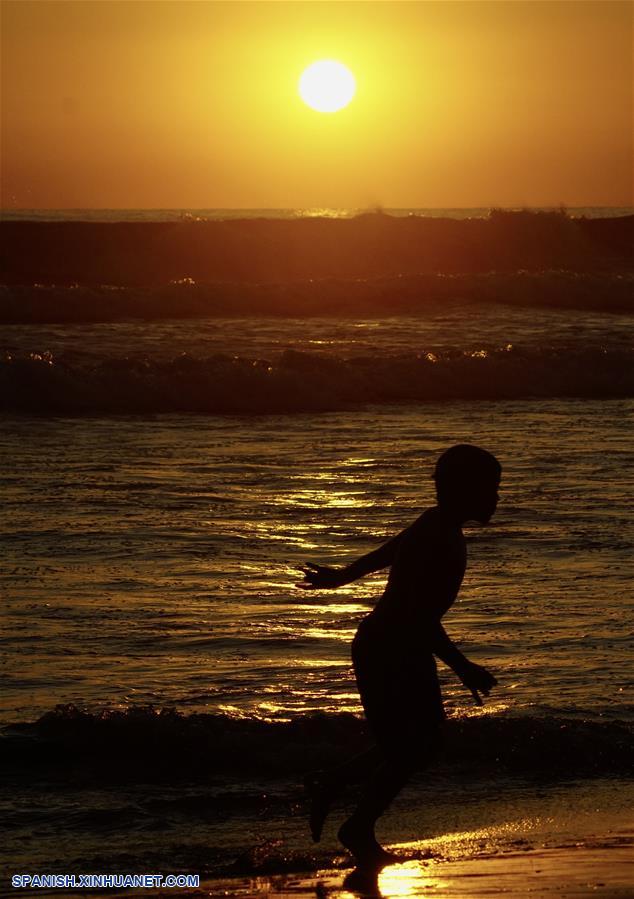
{"x": 319, "y": 633}
{"x": 318, "y": 498}
{"x": 409, "y": 879}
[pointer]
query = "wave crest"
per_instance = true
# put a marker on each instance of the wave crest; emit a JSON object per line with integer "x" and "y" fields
{"x": 272, "y": 250}
{"x": 406, "y": 294}
{"x": 298, "y": 381}
{"x": 164, "y": 741}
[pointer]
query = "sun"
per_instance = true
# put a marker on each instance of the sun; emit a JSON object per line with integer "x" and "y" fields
{"x": 327, "y": 85}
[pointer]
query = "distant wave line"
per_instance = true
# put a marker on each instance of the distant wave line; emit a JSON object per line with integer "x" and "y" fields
{"x": 378, "y": 296}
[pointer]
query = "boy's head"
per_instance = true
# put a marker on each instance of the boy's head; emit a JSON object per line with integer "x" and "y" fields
{"x": 467, "y": 480}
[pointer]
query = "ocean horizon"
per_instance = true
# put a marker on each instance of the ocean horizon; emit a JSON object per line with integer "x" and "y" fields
{"x": 212, "y": 214}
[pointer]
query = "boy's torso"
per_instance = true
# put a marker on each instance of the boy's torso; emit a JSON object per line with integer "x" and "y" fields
{"x": 425, "y": 577}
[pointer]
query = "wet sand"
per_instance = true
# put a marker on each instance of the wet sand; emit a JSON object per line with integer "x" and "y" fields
{"x": 600, "y": 868}
{"x": 593, "y": 866}
{"x": 573, "y": 847}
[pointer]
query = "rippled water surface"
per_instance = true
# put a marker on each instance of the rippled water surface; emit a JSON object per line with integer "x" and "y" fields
{"x": 153, "y": 560}
{"x": 454, "y": 326}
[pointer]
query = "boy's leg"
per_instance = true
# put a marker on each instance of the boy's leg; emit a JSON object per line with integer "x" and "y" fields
{"x": 357, "y": 833}
{"x": 400, "y": 762}
{"x": 323, "y": 787}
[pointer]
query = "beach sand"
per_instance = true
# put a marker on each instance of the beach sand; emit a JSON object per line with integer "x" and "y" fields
{"x": 603, "y": 867}
{"x": 598, "y": 866}
{"x": 586, "y": 849}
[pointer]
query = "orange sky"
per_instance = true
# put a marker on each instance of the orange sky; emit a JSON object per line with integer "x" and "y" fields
{"x": 177, "y": 104}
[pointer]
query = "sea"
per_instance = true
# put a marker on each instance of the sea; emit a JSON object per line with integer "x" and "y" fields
{"x": 165, "y": 682}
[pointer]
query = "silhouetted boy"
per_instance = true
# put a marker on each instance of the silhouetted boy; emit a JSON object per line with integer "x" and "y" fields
{"x": 394, "y": 647}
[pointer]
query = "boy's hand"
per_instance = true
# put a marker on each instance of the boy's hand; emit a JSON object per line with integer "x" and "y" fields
{"x": 477, "y": 679}
{"x": 321, "y": 577}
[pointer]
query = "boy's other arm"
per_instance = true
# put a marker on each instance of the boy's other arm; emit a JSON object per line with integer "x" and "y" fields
{"x": 321, "y": 576}
{"x": 446, "y": 649}
{"x": 473, "y": 676}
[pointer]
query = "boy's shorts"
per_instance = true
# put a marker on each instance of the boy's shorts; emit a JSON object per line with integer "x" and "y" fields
{"x": 399, "y": 689}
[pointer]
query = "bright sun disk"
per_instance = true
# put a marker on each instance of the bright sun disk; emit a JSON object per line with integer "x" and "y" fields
{"x": 327, "y": 85}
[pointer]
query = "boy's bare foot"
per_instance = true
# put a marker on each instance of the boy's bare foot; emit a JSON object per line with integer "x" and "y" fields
{"x": 320, "y": 794}
{"x": 363, "y": 845}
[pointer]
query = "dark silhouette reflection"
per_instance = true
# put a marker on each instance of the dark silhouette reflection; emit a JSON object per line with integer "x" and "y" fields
{"x": 394, "y": 647}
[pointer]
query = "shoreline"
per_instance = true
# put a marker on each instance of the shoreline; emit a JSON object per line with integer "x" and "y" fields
{"x": 594, "y": 865}
{"x": 569, "y": 871}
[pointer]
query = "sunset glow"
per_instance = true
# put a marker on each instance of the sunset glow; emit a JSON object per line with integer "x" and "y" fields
{"x": 203, "y": 110}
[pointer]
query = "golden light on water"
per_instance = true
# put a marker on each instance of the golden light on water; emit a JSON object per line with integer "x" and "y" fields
{"x": 423, "y": 877}
{"x": 317, "y": 498}
{"x": 410, "y": 879}
{"x": 327, "y": 85}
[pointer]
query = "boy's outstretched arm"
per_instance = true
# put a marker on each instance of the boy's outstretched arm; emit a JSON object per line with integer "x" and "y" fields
{"x": 323, "y": 577}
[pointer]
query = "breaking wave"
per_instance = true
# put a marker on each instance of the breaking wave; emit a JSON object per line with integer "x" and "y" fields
{"x": 164, "y": 742}
{"x": 391, "y": 295}
{"x": 278, "y": 251}
{"x": 296, "y": 381}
